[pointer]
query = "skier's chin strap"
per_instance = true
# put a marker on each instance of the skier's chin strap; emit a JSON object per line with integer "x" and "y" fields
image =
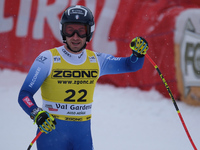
{"x": 84, "y": 46}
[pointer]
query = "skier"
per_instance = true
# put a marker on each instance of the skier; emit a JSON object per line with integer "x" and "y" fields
{"x": 67, "y": 76}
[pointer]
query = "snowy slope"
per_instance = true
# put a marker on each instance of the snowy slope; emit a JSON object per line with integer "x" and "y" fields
{"x": 123, "y": 118}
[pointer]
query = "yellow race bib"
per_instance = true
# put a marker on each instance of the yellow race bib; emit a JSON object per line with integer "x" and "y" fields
{"x": 68, "y": 90}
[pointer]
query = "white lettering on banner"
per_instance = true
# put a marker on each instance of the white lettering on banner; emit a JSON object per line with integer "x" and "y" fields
{"x": 6, "y": 24}
{"x": 92, "y": 5}
{"x": 24, "y": 17}
{"x": 50, "y": 13}
{"x": 193, "y": 14}
{"x": 101, "y": 41}
{"x": 190, "y": 60}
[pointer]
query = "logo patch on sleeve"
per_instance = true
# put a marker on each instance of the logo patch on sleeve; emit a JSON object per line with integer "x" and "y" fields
{"x": 27, "y": 101}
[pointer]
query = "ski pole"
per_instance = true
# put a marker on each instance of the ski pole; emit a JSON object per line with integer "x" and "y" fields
{"x": 37, "y": 136}
{"x": 173, "y": 100}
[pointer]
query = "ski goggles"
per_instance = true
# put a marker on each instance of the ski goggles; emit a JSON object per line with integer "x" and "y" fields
{"x": 69, "y": 29}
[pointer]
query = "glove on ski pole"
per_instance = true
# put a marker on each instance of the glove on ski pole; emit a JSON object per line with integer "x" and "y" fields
{"x": 45, "y": 121}
{"x": 139, "y": 46}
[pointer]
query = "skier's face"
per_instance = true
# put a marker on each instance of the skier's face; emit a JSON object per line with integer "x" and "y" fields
{"x": 76, "y": 36}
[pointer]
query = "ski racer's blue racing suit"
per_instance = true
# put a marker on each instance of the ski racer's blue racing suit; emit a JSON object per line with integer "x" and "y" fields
{"x": 67, "y": 84}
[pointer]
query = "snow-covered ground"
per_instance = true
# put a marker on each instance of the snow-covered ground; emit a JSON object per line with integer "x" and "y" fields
{"x": 123, "y": 119}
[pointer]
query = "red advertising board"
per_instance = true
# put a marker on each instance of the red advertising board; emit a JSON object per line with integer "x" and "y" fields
{"x": 28, "y": 27}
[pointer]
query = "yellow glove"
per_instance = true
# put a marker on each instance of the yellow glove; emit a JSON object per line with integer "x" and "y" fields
{"x": 139, "y": 46}
{"x": 45, "y": 121}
